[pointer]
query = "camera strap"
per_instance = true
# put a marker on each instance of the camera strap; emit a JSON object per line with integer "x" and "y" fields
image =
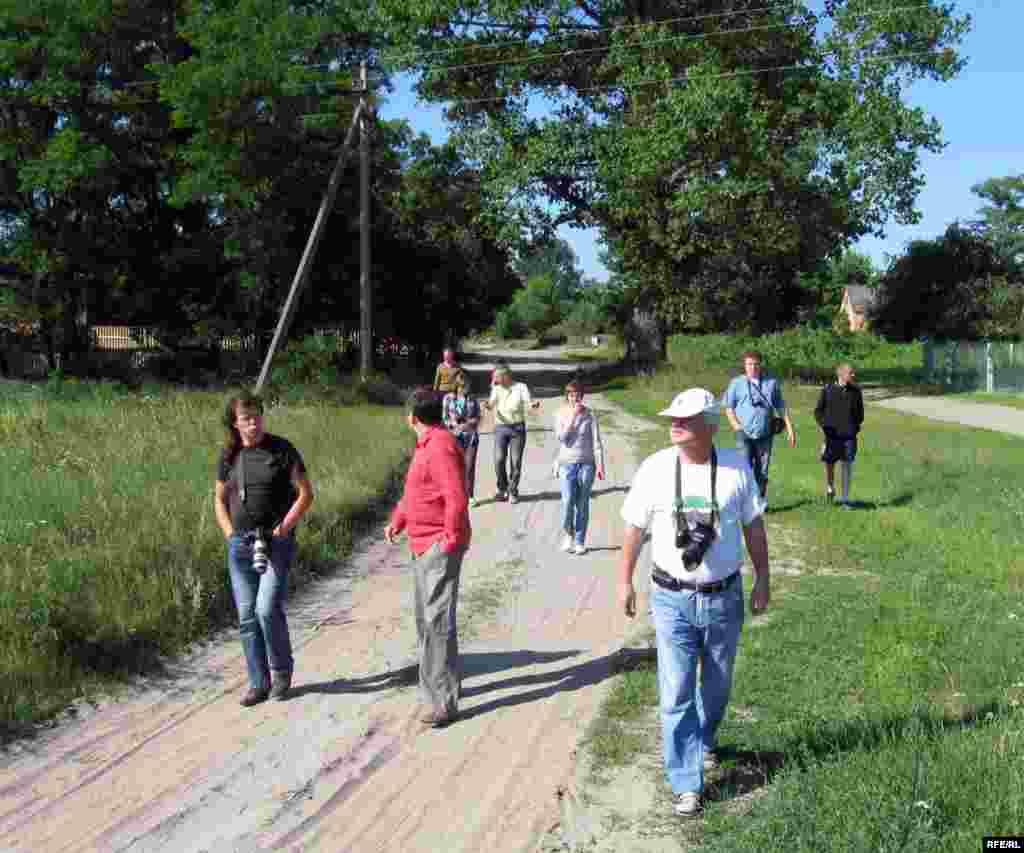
{"x": 760, "y": 393}
{"x": 242, "y": 491}
{"x": 679, "y": 490}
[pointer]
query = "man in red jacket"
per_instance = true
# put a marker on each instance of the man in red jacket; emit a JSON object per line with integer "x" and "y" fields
{"x": 434, "y": 513}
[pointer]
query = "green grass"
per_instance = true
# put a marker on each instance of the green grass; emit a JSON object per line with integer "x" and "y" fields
{"x": 889, "y": 678}
{"x": 111, "y": 554}
{"x": 615, "y": 737}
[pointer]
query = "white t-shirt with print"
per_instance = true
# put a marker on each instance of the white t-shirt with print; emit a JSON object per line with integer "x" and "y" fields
{"x": 651, "y": 501}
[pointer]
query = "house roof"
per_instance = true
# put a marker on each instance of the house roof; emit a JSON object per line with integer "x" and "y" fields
{"x": 860, "y": 297}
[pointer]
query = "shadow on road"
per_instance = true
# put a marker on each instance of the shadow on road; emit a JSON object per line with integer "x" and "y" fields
{"x": 575, "y": 677}
{"x": 474, "y": 664}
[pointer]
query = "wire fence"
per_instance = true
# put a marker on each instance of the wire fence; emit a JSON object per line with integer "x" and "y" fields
{"x": 991, "y": 366}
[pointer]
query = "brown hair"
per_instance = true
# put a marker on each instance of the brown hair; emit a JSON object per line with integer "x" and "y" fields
{"x": 751, "y": 353}
{"x": 574, "y": 386}
{"x": 247, "y": 400}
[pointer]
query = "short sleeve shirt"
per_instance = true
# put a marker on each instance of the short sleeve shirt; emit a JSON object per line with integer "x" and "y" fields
{"x": 752, "y": 400}
{"x": 268, "y": 482}
{"x": 650, "y": 506}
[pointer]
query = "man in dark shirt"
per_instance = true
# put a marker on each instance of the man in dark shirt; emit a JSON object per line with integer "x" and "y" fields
{"x": 840, "y": 413}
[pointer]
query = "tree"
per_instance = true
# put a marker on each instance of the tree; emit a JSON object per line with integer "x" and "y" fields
{"x": 1002, "y": 219}
{"x": 941, "y": 288}
{"x": 163, "y": 163}
{"x": 722, "y": 148}
{"x": 553, "y": 257}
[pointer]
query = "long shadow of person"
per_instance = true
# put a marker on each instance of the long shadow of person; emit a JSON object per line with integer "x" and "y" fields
{"x": 577, "y": 677}
{"x": 473, "y": 664}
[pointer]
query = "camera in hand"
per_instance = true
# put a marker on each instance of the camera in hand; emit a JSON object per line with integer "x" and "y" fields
{"x": 694, "y": 543}
{"x": 260, "y": 552}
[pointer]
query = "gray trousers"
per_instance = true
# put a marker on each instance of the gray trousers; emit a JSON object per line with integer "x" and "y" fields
{"x": 509, "y": 443}
{"x": 437, "y": 592}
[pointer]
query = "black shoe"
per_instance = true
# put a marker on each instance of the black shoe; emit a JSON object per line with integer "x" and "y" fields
{"x": 253, "y": 696}
{"x": 280, "y": 686}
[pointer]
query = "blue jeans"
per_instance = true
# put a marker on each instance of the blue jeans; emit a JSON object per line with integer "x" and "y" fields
{"x": 758, "y": 453}
{"x": 259, "y": 599}
{"x": 692, "y": 627}
{"x": 576, "y": 481}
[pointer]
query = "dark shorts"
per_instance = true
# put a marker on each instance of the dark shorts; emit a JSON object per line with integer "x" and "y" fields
{"x": 839, "y": 449}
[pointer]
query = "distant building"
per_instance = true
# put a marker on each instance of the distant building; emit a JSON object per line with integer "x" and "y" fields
{"x": 857, "y": 302}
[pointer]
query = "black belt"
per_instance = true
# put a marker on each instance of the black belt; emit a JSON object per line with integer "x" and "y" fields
{"x": 664, "y": 579}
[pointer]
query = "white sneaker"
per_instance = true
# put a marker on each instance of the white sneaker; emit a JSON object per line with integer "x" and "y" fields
{"x": 688, "y": 804}
{"x": 711, "y": 760}
{"x": 579, "y": 549}
{"x": 567, "y": 543}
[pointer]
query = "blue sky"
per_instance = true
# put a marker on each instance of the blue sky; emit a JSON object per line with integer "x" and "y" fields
{"x": 980, "y": 112}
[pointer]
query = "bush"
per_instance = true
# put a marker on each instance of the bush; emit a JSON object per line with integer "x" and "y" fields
{"x": 508, "y": 324}
{"x": 584, "y": 320}
{"x": 800, "y": 352}
{"x": 314, "y": 360}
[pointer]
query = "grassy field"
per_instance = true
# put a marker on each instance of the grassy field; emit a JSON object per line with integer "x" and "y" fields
{"x": 111, "y": 553}
{"x": 881, "y": 697}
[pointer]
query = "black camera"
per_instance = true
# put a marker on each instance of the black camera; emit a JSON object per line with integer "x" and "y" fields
{"x": 694, "y": 542}
{"x": 260, "y": 552}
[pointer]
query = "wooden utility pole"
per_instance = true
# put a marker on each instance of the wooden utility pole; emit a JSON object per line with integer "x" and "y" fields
{"x": 365, "y": 290}
{"x": 302, "y": 273}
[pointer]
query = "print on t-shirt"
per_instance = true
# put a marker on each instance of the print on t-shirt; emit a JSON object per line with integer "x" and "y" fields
{"x": 697, "y": 510}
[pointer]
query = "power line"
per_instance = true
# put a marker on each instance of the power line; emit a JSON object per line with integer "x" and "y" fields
{"x": 672, "y": 39}
{"x": 752, "y": 72}
{"x": 619, "y": 28}
{"x": 689, "y": 18}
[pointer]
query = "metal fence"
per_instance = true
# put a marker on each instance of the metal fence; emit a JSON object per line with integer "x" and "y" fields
{"x": 992, "y": 366}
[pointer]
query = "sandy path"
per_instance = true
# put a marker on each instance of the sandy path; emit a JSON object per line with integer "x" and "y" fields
{"x": 969, "y": 413}
{"x": 344, "y": 764}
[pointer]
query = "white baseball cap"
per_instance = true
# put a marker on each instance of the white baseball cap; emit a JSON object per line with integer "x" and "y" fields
{"x": 693, "y": 401}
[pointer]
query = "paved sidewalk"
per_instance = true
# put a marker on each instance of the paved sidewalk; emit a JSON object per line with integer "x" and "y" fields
{"x": 980, "y": 415}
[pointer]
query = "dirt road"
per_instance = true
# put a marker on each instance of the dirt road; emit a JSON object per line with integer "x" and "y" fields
{"x": 344, "y": 765}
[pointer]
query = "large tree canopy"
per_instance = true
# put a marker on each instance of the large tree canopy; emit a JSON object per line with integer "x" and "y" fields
{"x": 722, "y": 147}
{"x": 163, "y": 161}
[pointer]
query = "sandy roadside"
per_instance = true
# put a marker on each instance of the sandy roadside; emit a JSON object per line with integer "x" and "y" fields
{"x": 344, "y": 764}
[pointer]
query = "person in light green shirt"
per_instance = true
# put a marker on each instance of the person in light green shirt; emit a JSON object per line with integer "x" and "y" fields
{"x": 510, "y": 402}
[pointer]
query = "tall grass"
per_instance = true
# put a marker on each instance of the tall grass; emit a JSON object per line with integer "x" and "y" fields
{"x": 110, "y": 551}
{"x": 890, "y": 677}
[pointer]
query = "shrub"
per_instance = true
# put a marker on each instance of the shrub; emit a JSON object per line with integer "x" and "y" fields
{"x": 508, "y": 323}
{"x": 314, "y": 360}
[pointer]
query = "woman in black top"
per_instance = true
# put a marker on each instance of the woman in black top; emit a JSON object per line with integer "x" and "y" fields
{"x": 261, "y": 492}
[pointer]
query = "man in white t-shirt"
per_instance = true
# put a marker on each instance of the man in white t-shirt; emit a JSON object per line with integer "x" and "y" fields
{"x": 697, "y": 503}
{"x": 510, "y": 401}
